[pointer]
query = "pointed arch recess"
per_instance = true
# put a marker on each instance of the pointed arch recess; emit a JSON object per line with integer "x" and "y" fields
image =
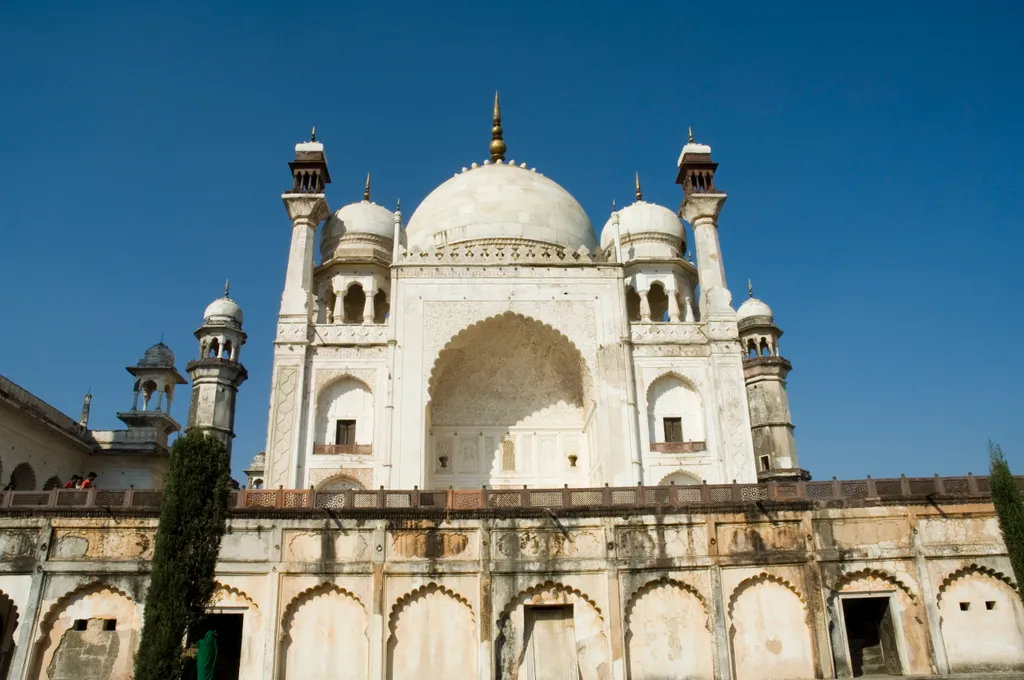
{"x": 296, "y": 602}
{"x": 973, "y": 569}
{"x": 852, "y": 576}
{"x": 688, "y": 382}
{"x": 473, "y": 327}
{"x": 423, "y": 590}
{"x": 536, "y": 595}
{"x": 646, "y": 588}
{"x": 763, "y": 577}
{"x": 334, "y": 378}
{"x": 84, "y": 590}
{"x": 219, "y": 587}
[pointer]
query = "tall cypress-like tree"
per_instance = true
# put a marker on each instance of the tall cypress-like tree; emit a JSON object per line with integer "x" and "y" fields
{"x": 192, "y": 519}
{"x": 1006, "y": 496}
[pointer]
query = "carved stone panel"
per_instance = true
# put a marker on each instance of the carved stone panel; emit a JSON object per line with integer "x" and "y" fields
{"x": 283, "y": 420}
{"x": 327, "y": 546}
{"x": 546, "y": 545}
{"x": 102, "y": 544}
{"x": 433, "y": 544}
{"x": 759, "y": 538}
{"x": 646, "y": 542}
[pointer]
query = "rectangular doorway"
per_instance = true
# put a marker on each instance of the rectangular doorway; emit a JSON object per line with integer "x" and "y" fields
{"x": 228, "y": 630}
{"x": 550, "y": 644}
{"x": 871, "y": 636}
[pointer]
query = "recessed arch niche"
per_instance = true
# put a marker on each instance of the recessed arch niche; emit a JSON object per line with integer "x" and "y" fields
{"x": 507, "y": 407}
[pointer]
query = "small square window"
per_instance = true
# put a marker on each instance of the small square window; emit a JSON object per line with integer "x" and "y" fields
{"x": 80, "y": 625}
{"x": 964, "y": 606}
{"x": 673, "y": 429}
{"x": 345, "y": 432}
{"x": 766, "y": 463}
{"x": 110, "y": 624}
{"x": 990, "y": 605}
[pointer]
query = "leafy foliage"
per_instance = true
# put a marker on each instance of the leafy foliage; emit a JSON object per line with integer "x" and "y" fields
{"x": 1006, "y": 496}
{"x": 192, "y": 521}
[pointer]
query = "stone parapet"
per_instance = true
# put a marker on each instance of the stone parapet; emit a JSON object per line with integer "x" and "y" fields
{"x": 834, "y": 493}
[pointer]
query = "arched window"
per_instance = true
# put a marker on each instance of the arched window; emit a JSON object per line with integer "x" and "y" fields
{"x": 764, "y": 347}
{"x": 658, "y": 301}
{"x": 23, "y": 478}
{"x": 751, "y": 349}
{"x": 52, "y": 483}
{"x": 226, "y": 354}
{"x": 354, "y": 302}
{"x": 632, "y": 304}
{"x": 344, "y": 422}
{"x": 148, "y": 388}
{"x": 676, "y": 416}
{"x": 257, "y": 483}
{"x": 380, "y": 307}
{"x": 214, "y": 349}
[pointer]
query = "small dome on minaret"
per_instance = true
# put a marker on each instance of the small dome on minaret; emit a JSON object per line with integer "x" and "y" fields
{"x": 223, "y": 310}
{"x": 752, "y": 307}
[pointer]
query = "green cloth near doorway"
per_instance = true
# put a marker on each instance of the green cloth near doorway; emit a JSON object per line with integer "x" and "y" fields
{"x": 206, "y": 657}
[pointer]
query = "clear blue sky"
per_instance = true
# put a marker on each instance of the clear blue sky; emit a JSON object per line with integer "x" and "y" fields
{"x": 871, "y": 151}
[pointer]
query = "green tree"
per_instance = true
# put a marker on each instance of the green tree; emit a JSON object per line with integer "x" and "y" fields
{"x": 192, "y": 519}
{"x": 1006, "y": 496}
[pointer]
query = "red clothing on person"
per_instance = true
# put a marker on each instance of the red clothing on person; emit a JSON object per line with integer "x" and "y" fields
{"x": 69, "y": 485}
{"x": 86, "y": 484}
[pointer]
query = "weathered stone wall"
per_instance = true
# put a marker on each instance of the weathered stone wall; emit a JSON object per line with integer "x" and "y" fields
{"x": 748, "y": 592}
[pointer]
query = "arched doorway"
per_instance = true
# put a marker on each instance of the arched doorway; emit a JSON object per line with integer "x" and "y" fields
{"x": 507, "y": 408}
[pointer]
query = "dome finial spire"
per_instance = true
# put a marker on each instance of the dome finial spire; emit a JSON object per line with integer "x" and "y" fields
{"x": 366, "y": 191}
{"x": 691, "y": 135}
{"x": 312, "y": 135}
{"x": 497, "y": 141}
{"x": 750, "y": 288}
{"x": 639, "y": 191}
{"x": 227, "y": 287}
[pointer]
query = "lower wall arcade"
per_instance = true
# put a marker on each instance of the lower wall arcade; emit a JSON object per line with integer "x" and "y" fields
{"x": 747, "y": 593}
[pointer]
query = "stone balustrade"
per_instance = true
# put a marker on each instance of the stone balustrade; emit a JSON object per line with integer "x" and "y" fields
{"x": 862, "y": 491}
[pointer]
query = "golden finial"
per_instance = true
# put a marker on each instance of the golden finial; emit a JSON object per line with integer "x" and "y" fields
{"x": 312, "y": 135}
{"x": 227, "y": 287}
{"x": 497, "y": 143}
{"x": 613, "y": 205}
{"x": 366, "y": 191}
{"x": 639, "y": 191}
{"x": 750, "y": 288}
{"x": 691, "y": 135}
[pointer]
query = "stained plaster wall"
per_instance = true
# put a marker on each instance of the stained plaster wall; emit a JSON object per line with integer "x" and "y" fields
{"x": 24, "y": 439}
{"x": 388, "y": 595}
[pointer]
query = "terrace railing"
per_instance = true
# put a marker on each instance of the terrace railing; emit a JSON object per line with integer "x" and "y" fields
{"x": 948, "y": 489}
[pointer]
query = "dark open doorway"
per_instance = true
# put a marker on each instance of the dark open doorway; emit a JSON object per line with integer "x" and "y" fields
{"x": 871, "y": 635}
{"x": 228, "y": 629}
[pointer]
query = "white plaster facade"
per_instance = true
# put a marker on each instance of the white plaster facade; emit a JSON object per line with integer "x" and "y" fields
{"x": 498, "y": 344}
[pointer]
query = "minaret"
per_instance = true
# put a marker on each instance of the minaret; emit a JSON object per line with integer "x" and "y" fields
{"x": 765, "y": 371}
{"x": 701, "y": 205}
{"x": 217, "y": 373}
{"x": 150, "y": 416}
{"x": 307, "y": 208}
{"x": 83, "y": 420}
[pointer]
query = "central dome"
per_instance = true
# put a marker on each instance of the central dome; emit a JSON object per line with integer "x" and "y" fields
{"x": 499, "y": 202}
